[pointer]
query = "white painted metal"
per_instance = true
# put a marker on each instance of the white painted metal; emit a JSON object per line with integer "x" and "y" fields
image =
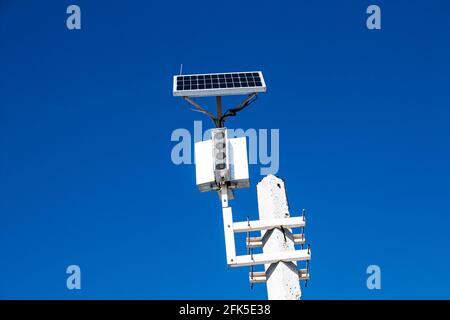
{"x": 282, "y": 277}
{"x": 279, "y": 255}
{"x": 229, "y": 235}
{"x": 204, "y": 166}
{"x": 218, "y": 92}
{"x": 224, "y": 196}
{"x": 274, "y": 257}
{"x": 256, "y": 225}
{"x": 238, "y": 162}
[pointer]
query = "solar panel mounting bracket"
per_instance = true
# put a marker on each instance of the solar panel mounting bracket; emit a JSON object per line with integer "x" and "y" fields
{"x": 219, "y": 119}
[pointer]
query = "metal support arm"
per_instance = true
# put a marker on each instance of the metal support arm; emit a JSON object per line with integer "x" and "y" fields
{"x": 220, "y": 118}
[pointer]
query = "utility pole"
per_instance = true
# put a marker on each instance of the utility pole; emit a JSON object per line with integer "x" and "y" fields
{"x": 282, "y": 278}
{"x": 221, "y": 165}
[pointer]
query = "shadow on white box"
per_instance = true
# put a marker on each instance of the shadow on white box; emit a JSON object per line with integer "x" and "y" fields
{"x": 238, "y": 164}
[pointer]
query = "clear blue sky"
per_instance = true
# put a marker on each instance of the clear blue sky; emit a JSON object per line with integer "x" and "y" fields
{"x": 86, "y": 116}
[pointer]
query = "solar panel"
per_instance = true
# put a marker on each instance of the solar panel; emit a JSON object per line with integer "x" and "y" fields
{"x": 218, "y": 84}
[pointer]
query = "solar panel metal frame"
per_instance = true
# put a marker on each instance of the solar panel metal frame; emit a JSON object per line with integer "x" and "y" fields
{"x": 218, "y": 91}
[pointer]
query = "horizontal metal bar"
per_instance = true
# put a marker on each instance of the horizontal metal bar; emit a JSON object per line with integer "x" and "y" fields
{"x": 257, "y": 274}
{"x": 260, "y": 277}
{"x": 255, "y": 225}
{"x": 256, "y": 242}
{"x": 257, "y": 279}
{"x": 266, "y": 258}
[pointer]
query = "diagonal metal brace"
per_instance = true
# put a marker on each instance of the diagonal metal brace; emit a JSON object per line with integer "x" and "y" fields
{"x": 201, "y": 109}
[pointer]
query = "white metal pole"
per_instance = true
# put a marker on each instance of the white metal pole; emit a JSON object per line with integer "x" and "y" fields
{"x": 282, "y": 277}
{"x": 227, "y": 214}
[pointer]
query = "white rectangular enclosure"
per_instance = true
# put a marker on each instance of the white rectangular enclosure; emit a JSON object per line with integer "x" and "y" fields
{"x": 238, "y": 164}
